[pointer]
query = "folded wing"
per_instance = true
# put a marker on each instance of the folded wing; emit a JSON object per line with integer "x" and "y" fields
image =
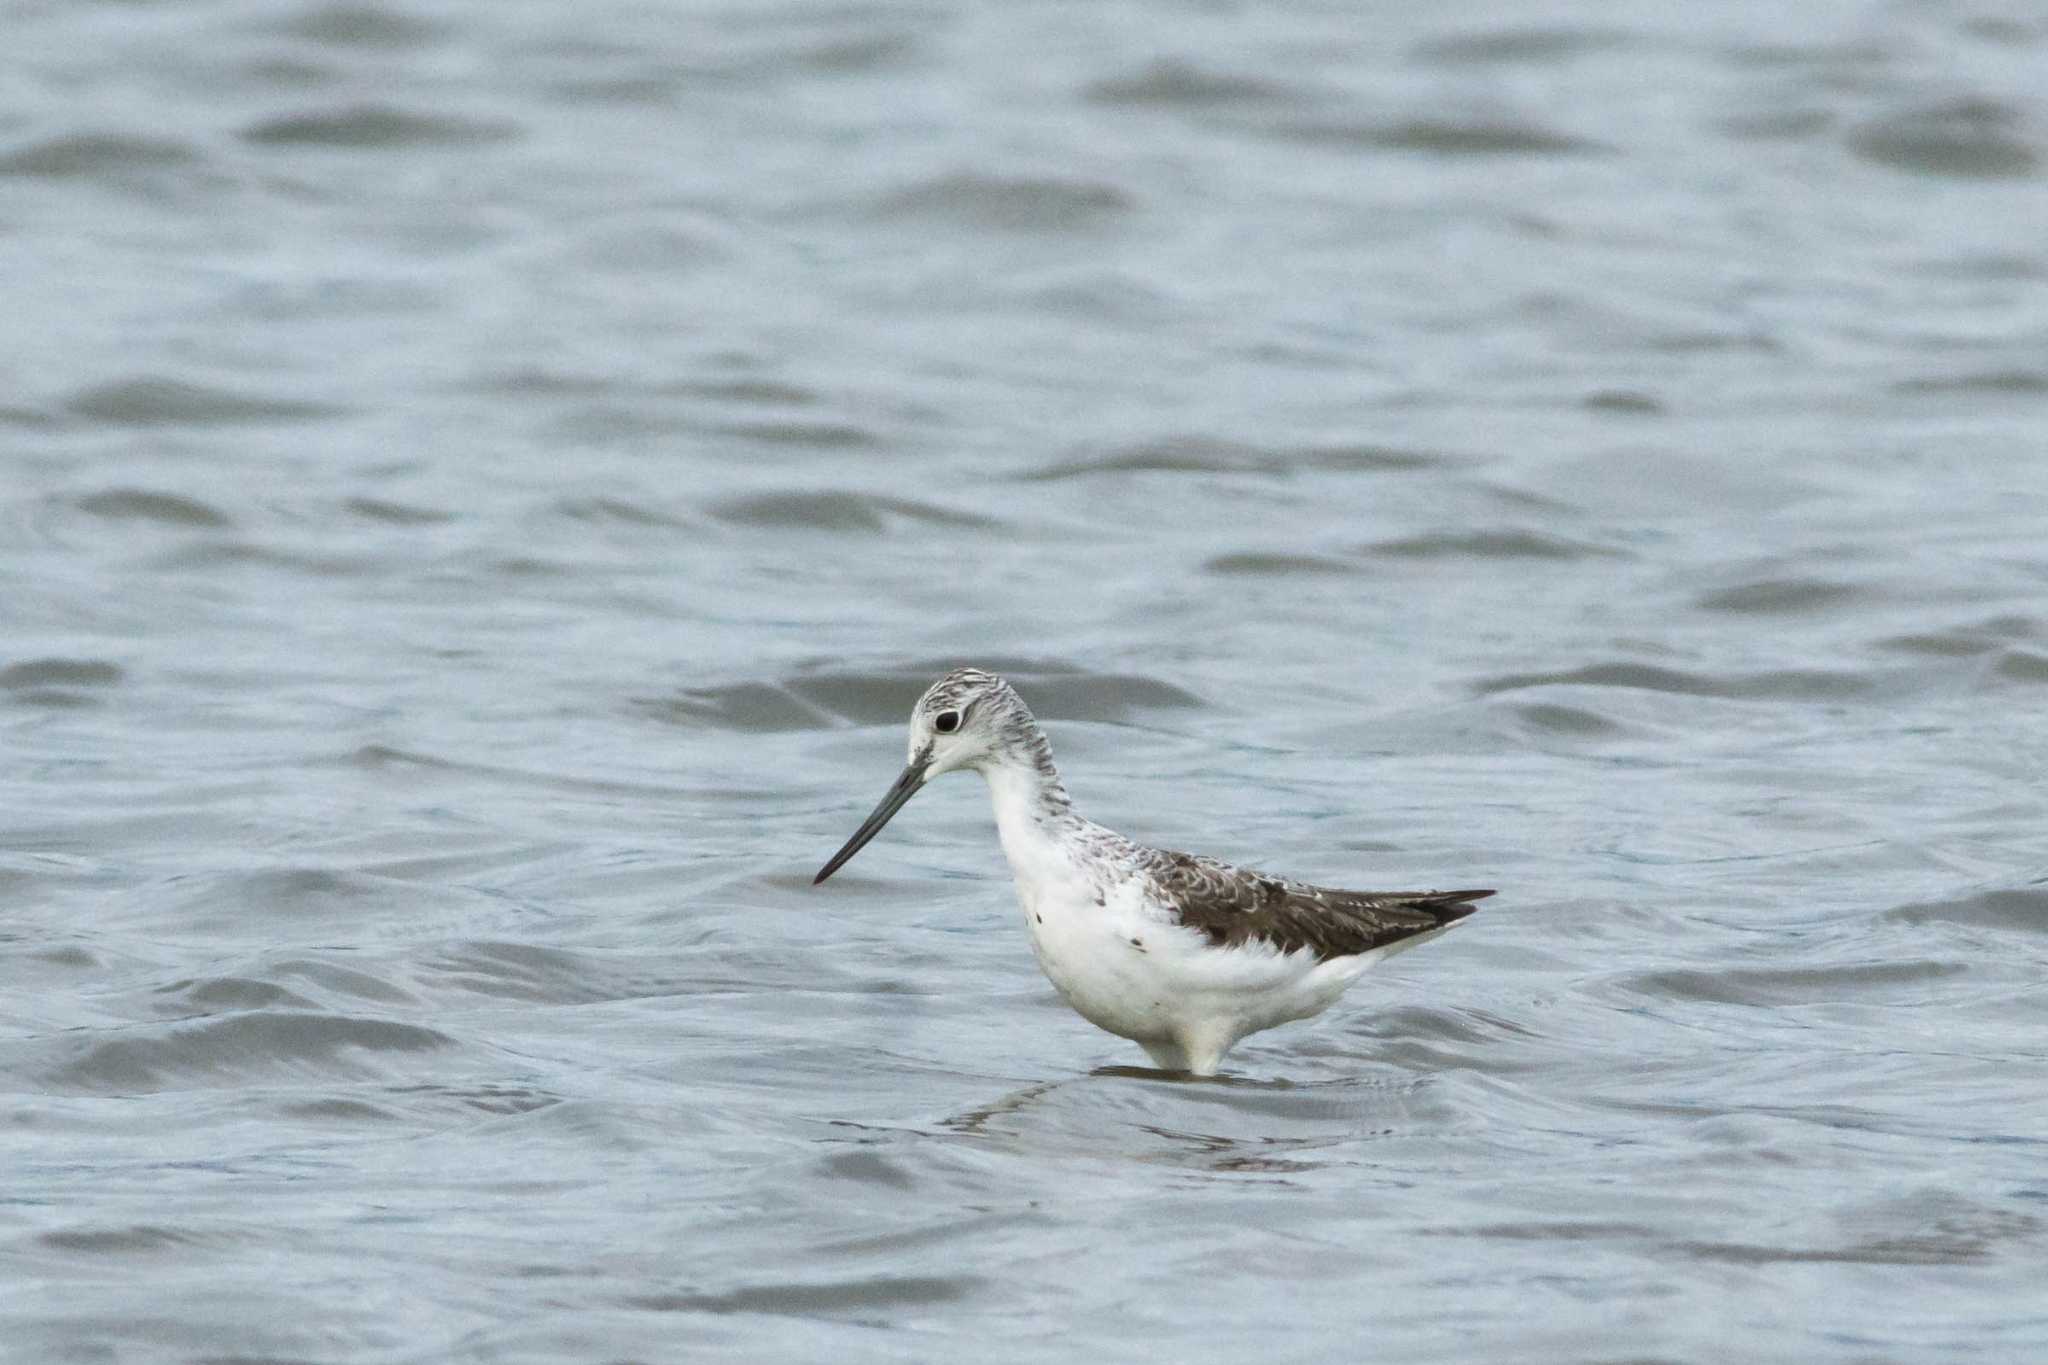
{"x": 1234, "y": 905}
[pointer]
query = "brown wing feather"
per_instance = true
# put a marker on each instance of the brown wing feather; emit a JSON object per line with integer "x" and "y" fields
{"x": 1233, "y": 905}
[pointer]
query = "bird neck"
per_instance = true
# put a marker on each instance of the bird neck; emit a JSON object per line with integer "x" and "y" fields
{"x": 1032, "y": 807}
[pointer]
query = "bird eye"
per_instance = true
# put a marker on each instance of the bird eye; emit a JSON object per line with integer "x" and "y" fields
{"x": 946, "y": 722}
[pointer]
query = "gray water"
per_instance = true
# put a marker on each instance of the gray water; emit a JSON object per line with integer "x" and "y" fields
{"x": 484, "y": 484}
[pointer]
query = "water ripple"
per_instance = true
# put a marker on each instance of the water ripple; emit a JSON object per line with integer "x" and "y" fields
{"x": 1899, "y": 983}
{"x": 1182, "y": 85}
{"x": 1021, "y": 204}
{"x": 136, "y": 504}
{"x": 839, "y": 512}
{"x": 38, "y": 673}
{"x": 1542, "y": 45}
{"x": 97, "y": 156}
{"x": 1774, "y": 596}
{"x": 859, "y": 1298}
{"x": 2022, "y": 908}
{"x": 1505, "y": 543}
{"x": 1276, "y": 564}
{"x": 153, "y": 401}
{"x": 1799, "y": 684}
{"x": 355, "y": 25}
{"x": 237, "y": 1048}
{"x": 1972, "y": 139}
{"x": 378, "y": 126}
{"x": 1203, "y": 454}
{"x": 1441, "y": 136}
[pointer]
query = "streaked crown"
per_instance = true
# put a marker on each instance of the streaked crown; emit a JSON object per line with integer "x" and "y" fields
{"x": 962, "y": 689}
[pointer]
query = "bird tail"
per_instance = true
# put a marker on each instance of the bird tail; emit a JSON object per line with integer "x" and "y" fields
{"x": 1446, "y": 907}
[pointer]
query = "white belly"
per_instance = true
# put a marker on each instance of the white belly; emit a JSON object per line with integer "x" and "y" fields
{"x": 1101, "y": 959}
{"x": 1126, "y": 967}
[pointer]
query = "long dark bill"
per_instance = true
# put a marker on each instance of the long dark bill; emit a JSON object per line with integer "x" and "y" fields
{"x": 905, "y": 788}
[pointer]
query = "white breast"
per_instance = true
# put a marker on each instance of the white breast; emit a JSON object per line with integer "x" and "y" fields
{"x": 1108, "y": 958}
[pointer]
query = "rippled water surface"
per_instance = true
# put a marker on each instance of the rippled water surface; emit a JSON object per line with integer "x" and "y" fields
{"x": 483, "y": 486}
